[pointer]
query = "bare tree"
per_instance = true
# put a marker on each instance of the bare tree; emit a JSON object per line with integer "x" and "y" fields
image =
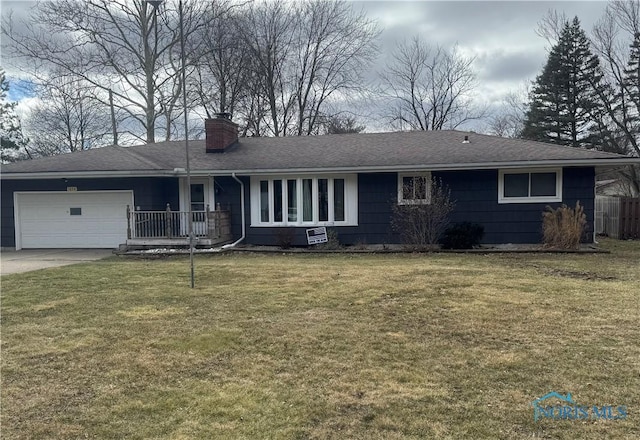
{"x": 68, "y": 119}
{"x": 221, "y": 75}
{"x": 12, "y": 140}
{"x": 343, "y": 124}
{"x": 122, "y": 48}
{"x": 550, "y": 27}
{"x": 268, "y": 31}
{"x": 429, "y": 88}
{"x": 510, "y": 117}
{"x": 613, "y": 39}
{"x": 421, "y": 223}
{"x": 303, "y": 55}
{"x": 335, "y": 45}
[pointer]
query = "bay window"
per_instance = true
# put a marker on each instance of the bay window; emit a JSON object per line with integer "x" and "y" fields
{"x": 324, "y": 201}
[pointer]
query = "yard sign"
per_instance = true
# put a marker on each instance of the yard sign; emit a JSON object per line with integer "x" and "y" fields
{"x": 317, "y": 235}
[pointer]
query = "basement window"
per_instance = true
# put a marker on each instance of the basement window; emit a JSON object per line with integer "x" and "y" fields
{"x": 304, "y": 201}
{"x": 530, "y": 186}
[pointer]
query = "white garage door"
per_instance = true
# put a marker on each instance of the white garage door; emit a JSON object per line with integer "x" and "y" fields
{"x": 96, "y": 219}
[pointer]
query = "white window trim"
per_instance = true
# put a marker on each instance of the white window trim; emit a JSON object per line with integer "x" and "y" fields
{"x": 209, "y": 194}
{"x": 402, "y": 200}
{"x": 529, "y": 199}
{"x": 350, "y": 200}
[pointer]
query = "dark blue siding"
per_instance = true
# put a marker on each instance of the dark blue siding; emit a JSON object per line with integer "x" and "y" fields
{"x": 149, "y": 194}
{"x": 376, "y": 192}
{"x": 476, "y": 196}
{"x": 475, "y": 193}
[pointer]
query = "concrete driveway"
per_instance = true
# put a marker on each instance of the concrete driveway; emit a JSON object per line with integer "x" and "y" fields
{"x": 34, "y": 259}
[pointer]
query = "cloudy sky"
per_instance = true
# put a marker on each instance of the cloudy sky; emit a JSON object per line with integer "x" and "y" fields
{"x": 500, "y": 34}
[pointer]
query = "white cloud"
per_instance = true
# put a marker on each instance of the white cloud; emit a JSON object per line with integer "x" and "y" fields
{"x": 499, "y": 34}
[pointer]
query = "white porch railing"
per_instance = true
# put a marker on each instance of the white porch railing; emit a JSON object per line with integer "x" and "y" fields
{"x": 168, "y": 224}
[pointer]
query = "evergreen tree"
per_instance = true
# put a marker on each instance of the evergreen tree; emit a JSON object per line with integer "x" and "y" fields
{"x": 631, "y": 86}
{"x": 564, "y": 99}
{"x": 11, "y": 138}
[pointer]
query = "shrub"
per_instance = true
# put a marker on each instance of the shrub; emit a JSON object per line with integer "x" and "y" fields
{"x": 463, "y": 235}
{"x": 333, "y": 242}
{"x": 421, "y": 224}
{"x": 562, "y": 227}
{"x": 360, "y": 244}
{"x": 285, "y": 237}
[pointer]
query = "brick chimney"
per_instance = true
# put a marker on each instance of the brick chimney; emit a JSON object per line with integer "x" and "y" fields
{"x": 220, "y": 133}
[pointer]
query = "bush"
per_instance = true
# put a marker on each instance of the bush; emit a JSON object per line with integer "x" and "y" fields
{"x": 285, "y": 237}
{"x": 463, "y": 235}
{"x": 333, "y": 242}
{"x": 562, "y": 227}
{"x": 420, "y": 224}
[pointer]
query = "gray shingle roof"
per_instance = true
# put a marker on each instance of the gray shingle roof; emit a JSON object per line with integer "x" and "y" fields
{"x": 366, "y": 151}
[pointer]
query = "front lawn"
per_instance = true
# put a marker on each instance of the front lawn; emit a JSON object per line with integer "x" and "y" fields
{"x": 323, "y": 346}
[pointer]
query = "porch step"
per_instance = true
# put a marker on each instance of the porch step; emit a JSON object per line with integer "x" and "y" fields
{"x": 169, "y": 243}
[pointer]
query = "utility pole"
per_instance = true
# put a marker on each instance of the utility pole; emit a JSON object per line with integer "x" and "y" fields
{"x": 186, "y": 145}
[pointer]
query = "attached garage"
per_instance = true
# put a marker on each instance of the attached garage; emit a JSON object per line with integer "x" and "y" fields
{"x": 83, "y": 219}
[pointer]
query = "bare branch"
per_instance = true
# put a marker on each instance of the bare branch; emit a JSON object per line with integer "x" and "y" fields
{"x": 122, "y": 48}
{"x": 429, "y": 88}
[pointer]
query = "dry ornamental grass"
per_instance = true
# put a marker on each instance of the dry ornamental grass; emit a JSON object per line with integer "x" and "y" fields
{"x": 562, "y": 228}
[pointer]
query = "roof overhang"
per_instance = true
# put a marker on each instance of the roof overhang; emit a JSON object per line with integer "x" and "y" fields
{"x": 616, "y": 162}
{"x": 87, "y": 174}
{"x": 180, "y": 172}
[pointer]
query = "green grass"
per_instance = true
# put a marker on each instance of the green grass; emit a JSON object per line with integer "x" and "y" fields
{"x": 446, "y": 346}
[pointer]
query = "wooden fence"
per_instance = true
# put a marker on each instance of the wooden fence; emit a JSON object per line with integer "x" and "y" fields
{"x": 618, "y": 217}
{"x": 629, "y": 218}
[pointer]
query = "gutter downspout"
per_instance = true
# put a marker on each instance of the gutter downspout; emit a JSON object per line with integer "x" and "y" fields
{"x": 231, "y": 245}
{"x": 595, "y": 204}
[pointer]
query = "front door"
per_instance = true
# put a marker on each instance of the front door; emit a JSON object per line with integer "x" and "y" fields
{"x": 201, "y": 196}
{"x": 198, "y": 208}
